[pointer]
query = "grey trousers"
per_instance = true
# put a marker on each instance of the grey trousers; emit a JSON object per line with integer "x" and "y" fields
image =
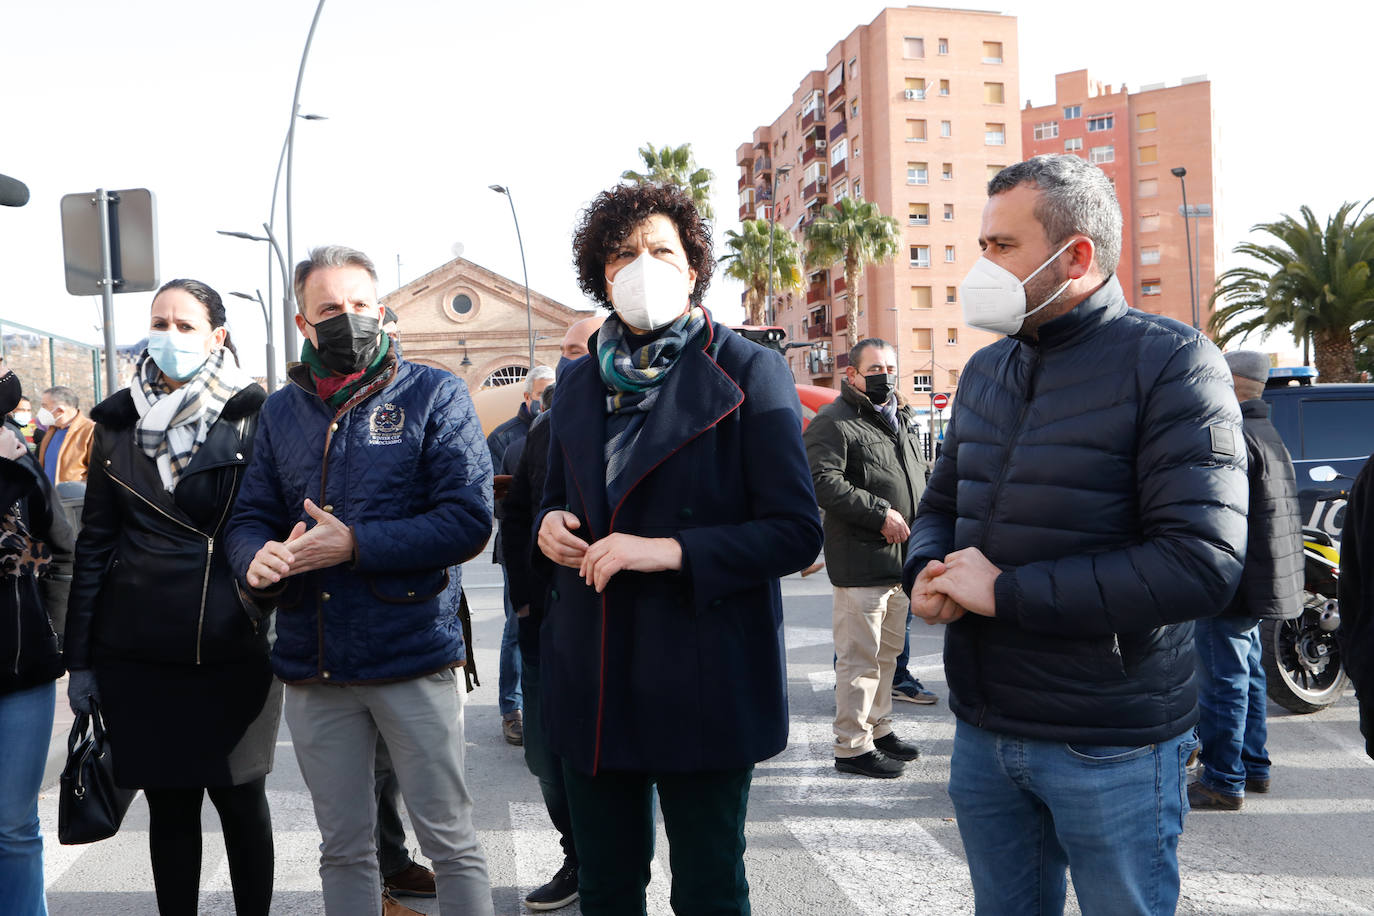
{"x": 334, "y": 731}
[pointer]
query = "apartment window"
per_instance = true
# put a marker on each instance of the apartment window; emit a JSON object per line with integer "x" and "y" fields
{"x": 920, "y": 297}
{"x": 947, "y": 171}
{"x": 920, "y": 382}
{"x": 1100, "y": 122}
{"x": 1145, "y": 121}
{"x": 1072, "y": 111}
{"x": 992, "y": 52}
{"x": 834, "y": 79}
{"x": 995, "y": 134}
{"x": 853, "y": 66}
{"x": 858, "y": 188}
{"x": 841, "y": 192}
{"x": 854, "y": 108}
{"x": 1046, "y": 130}
{"x": 915, "y": 87}
{"x": 857, "y": 151}
{"x": 1100, "y": 154}
{"x": 944, "y": 87}
{"x": 920, "y": 255}
{"x": 1149, "y": 287}
{"x": 838, "y": 150}
{"x": 951, "y": 294}
{"x": 1149, "y": 222}
{"x": 1148, "y": 187}
{"x": 1149, "y": 154}
{"x": 993, "y": 170}
{"x": 949, "y": 212}
{"x": 946, "y": 129}
{"x": 812, "y": 174}
{"x": 917, "y": 173}
{"x": 1149, "y": 255}
{"x": 918, "y": 214}
{"x": 914, "y": 47}
{"x": 944, "y": 45}
{"x": 1073, "y": 145}
{"x": 949, "y": 254}
{"x": 923, "y": 336}
{"x": 746, "y": 197}
{"x": 813, "y": 101}
{"x": 994, "y": 93}
{"x": 952, "y": 337}
{"x": 953, "y": 378}
{"x": 915, "y": 130}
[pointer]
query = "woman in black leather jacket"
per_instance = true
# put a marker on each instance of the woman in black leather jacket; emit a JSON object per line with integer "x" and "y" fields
{"x": 157, "y": 632}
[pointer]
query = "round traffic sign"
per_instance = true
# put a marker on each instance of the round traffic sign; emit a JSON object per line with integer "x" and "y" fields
{"x": 939, "y": 401}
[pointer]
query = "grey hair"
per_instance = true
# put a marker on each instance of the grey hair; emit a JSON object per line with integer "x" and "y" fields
{"x": 329, "y": 256}
{"x": 857, "y": 350}
{"x": 1077, "y": 198}
{"x": 63, "y": 395}
{"x": 535, "y": 375}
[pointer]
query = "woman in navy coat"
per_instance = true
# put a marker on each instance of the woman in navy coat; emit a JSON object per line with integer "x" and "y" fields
{"x": 677, "y": 495}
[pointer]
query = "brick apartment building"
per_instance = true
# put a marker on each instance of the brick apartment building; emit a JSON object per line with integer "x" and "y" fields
{"x": 1138, "y": 139}
{"x": 914, "y": 112}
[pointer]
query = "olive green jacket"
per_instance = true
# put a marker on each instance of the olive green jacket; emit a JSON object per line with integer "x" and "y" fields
{"x": 861, "y": 467}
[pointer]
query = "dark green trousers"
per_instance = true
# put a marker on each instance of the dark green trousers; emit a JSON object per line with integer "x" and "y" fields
{"x": 613, "y": 826}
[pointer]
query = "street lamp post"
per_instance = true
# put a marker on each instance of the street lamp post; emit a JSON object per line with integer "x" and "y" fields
{"x": 270, "y": 239}
{"x": 772, "y": 218}
{"x": 288, "y": 300}
{"x": 1178, "y": 173}
{"x": 529, "y": 312}
{"x": 288, "y": 325}
{"x": 271, "y": 345}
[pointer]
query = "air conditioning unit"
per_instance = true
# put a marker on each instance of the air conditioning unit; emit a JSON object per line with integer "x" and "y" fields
{"x": 821, "y": 144}
{"x": 915, "y": 94}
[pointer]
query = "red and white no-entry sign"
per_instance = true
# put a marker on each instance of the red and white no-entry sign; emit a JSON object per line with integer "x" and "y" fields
{"x": 939, "y": 401}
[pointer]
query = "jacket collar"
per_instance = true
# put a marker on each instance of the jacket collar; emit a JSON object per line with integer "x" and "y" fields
{"x": 697, "y": 395}
{"x": 1106, "y": 304}
{"x": 1256, "y": 409}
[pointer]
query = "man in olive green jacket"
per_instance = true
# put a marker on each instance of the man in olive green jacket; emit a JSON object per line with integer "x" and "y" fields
{"x": 869, "y": 474}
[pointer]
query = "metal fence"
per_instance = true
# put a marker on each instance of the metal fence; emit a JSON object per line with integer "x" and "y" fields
{"x": 43, "y": 360}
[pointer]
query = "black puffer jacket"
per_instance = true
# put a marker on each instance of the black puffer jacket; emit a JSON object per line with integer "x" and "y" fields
{"x": 527, "y": 582}
{"x": 152, "y": 579}
{"x": 32, "y": 606}
{"x": 862, "y": 467}
{"x": 1102, "y": 468}
{"x": 1271, "y": 585}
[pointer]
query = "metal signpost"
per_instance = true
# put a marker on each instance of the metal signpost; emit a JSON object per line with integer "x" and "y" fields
{"x": 109, "y": 245}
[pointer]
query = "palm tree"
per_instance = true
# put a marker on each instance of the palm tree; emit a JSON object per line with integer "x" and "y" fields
{"x": 747, "y": 261}
{"x": 675, "y": 165}
{"x": 1316, "y": 280}
{"x": 855, "y": 233}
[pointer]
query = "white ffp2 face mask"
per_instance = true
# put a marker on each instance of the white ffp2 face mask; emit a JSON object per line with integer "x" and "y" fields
{"x": 649, "y": 293}
{"x": 995, "y": 300}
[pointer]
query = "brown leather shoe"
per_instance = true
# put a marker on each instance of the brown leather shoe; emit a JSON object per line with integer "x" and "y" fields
{"x": 412, "y": 881}
{"x": 514, "y": 730}
{"x": 1201, "y": 797}
{"x": 393, "y": 907}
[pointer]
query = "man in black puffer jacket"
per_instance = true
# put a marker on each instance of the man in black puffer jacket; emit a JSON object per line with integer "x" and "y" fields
{"x": 1089, "y": 504}
{"x": 1231, "y": 695}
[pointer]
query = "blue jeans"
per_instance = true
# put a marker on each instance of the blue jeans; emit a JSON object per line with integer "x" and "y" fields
{"x": 1029, "y": 810}
{"x": 26, "y": 718}
{"x": 1231, "y": 703}
{"x": 902, "y": 677}
{"x": 508, "y": 696}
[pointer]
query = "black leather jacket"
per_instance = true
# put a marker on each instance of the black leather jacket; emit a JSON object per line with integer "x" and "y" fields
{"x": 152, "y": 578}
{"x": 1271, "y": 585}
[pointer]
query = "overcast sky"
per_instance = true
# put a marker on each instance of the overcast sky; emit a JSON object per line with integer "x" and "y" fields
{"x": 429, "y": 102}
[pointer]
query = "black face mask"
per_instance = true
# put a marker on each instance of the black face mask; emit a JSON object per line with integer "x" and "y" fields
{"x": 11, "y": 390}
{"x": 348, "y": 343}
{"x": 879, "y": 387}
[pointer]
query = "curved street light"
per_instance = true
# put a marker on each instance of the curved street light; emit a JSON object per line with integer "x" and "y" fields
{"x": 270, "y": 239}
{"x": 288, "y": 326}
{"x": 271, "y": 347}
{"x": 288, "y": 305}
{"x": 772, "y": 220}
{"x": 529, "y": 312}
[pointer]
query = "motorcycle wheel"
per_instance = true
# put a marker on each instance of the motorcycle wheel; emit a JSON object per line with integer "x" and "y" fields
{"x": 1302, "y": 663}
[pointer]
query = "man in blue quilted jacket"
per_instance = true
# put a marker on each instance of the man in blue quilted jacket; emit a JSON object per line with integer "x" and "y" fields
{"x": 1088, "y": 505}
{"x": 369, "y": 480}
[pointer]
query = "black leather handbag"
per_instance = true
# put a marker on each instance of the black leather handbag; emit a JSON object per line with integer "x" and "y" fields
{"x": 90, "y": 806}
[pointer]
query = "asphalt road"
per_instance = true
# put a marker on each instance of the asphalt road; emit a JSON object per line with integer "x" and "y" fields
{"x": 819, "y": 842}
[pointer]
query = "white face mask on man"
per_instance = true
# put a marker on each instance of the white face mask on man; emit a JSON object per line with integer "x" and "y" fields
{"x": 995, "y": 300}
{"x": 649, "y": 293}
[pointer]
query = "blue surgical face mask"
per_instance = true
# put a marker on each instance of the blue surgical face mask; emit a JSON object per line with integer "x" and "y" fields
{"x": 178, "y": 355}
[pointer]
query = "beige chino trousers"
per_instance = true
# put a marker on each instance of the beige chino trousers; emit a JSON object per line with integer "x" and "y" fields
{"x": 870, "y": 627}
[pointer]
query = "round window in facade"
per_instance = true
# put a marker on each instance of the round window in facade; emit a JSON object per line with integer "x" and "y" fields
{"x": 461, "y": 304}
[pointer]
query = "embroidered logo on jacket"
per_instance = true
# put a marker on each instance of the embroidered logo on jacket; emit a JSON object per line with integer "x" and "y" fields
{"x": 386, "y": 424}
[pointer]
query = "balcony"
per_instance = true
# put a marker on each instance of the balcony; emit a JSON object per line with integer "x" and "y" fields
{"x": 843, "y": 359}
{"x": 809, "y": 154}
{"x": 763, "y": 164}
{"x": 839, "y": 286}
{"x": 837, "y": 130}
{"x": 838, "y": 168}
{"x": 743, "y": 181}
{"x": 836, "y": 93}
{"x": 746, "y": 211}
{"x": 814, "y": 191}
{"x": 815, "y": 293}
{"x": 818, "y": 331}
{"x": 808, "y": 119}
{"x": 841, "y": 323}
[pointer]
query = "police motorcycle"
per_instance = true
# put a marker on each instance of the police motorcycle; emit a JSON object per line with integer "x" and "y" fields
{"x": 1301, "y": 658}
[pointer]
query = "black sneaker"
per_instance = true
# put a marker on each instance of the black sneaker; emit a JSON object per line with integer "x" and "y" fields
{"x": 559, "y": 892}
{"x": 896, "y": 748}
{"x": 874, "y": 763}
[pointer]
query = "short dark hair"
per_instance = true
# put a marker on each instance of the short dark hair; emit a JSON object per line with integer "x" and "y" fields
{"x": 608, "y": 220}
{"x": 1077, "y": 198}
{"x": 63, "y": 395}
{"x": 214, "y": 305}
{"x": 857, "y": 350}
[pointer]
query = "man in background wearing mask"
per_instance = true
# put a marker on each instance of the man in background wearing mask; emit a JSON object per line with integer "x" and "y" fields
{"x": 867, "y": 467}
{"x": 66, "y": 447}
{"x": 369, "y": 480}
{"x": 1088, "y": 505}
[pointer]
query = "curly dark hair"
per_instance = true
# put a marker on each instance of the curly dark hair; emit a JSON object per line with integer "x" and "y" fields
{"x": 608, "y": 221}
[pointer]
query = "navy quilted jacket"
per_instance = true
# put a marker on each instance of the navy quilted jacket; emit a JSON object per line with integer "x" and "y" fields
{"x": 1102, "y": 468}
{"x": 407, "y": 469}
